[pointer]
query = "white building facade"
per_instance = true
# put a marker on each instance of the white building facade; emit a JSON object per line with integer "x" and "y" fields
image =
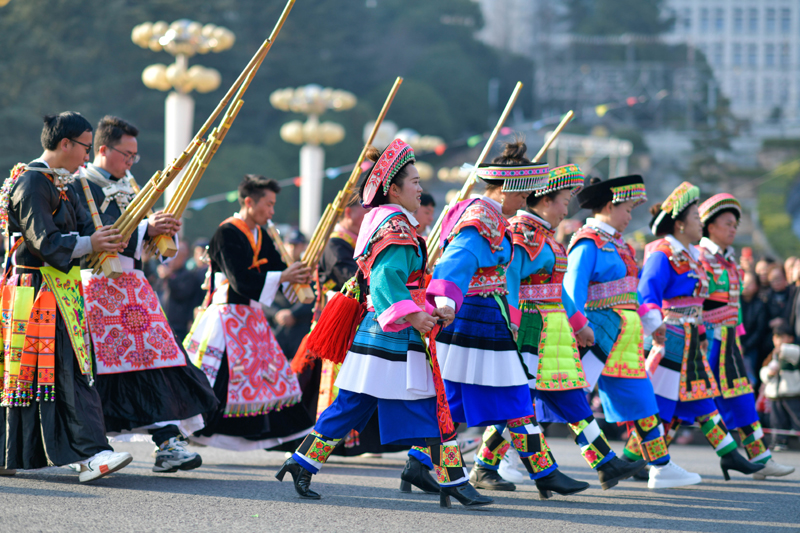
{"x": 753, "y": 47}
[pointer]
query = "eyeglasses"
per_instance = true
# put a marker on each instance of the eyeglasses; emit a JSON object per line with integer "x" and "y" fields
{"x": 129, "y": 158}
{"x": 87, "y": 146}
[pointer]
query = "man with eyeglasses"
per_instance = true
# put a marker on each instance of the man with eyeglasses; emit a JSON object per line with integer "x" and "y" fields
{"x": 51, "y": 412}
{"x": 143, "y": 377}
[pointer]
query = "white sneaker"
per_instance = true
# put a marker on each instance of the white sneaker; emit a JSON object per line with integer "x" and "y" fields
{"x": 172, "y": 456}
{"x": 774, "y": 469}
{"x": 508, "y": 468}
{"x": 103, "y": 464}
{"x": 670, "y": 475}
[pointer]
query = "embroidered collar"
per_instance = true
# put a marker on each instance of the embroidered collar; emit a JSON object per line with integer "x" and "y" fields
{"x": 254, "y": 236}
{"x": 679, "y": 247}
{"x": 407, "y": 213}
{"x": 346, "y": 235}
{"x": 605, "y": 228}
{"x": 715, "y": 249}
{"x": 494, "y": 203}
{"x": 538, "y": 219}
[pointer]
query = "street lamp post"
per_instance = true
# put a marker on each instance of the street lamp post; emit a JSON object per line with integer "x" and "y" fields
{"x": 182, "y": 39}
{"x": 311, "y": 100}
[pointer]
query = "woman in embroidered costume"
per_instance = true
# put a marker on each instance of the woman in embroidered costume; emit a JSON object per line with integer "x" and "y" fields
{"x": 671, "y": 292}
{"x": 720, "y": 216}
{"x": 145, "y": 381}
{"x": 484, "y": 374}
{"x": 386, "y": 366}
{"x": 601, "y": 280}
{"x": 231, "y": 341}
{"x": 52, "y": 414}
{"x": 546, "y": 339}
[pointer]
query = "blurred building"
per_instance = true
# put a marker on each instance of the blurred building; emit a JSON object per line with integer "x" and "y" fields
{"x": 753, "y": 47}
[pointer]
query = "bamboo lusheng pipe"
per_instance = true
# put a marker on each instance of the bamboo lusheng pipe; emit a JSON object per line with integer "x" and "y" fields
{"x": 303, "y": 291}
{"x": 189, "y": 183}
{"x": 466, "y": 189}
{"x": 335, "y": 209}
{"x": 177, "y": 165}
{"x": 112, "y": 267}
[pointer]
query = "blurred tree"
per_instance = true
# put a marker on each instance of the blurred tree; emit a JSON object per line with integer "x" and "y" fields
{"x": 58, "y": 56}
{"x": 615, "y": 17}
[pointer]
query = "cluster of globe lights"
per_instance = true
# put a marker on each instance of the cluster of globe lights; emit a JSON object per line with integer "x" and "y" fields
{"x": 182, "y": 39}
{"x": 312, "y": 100}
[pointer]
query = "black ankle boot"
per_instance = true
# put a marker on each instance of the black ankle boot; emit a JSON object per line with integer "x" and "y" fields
{"x": 416, "y": 474}
{"x": 735, "y": 461}
{"x": 301, "y": 477}
{"x": 465, "y": 494}
{"x": 616, "y": 470}
{"x": 641, "y": 475}
{"x": 559, "y": 483}
{"x": 483, "y": 478}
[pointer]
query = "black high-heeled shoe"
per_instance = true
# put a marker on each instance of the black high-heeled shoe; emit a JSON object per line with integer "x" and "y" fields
{"x": 735, "y": 461}
{"x": 301, "y": 478}
{"x": 559, "y": 483}
{"x": 416, "y": 474}
{"x": 616, "y": 470}
{"x": 465, "y": 494}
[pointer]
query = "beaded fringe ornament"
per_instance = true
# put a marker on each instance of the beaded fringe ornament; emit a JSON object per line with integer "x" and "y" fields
{"x": 680, "y": 199}
{"x": 526, "y": 178}
{"x": 566, "y": 177}
{"x": 717, "y": 203}
{"x": 634, "y": 192}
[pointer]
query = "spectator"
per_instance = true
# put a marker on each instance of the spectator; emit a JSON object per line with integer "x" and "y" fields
{"x": 754, "y": 320}
{"x": 762, "y": 270}
{"x": 290, "y": 322}
{"x": 781, "y": 376}
{"x": 424, "y": 214}
{"x": 746, "y": 260}
{"x": 181, "y": 292}
{"x": 779, "y": 297}
{"x": 789, "y": 269}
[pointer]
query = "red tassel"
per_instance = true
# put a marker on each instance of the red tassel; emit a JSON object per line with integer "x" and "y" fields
{"x": 302, "y": 359}
{"x": 334, "y": 333}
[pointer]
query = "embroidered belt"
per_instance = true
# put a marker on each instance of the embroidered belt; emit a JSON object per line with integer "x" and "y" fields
{"x": 727, "y": 315}
{"x": 545, "y": 292}
{"x": 683, "y": 315}
{"x": 488, "y": 281}
{"x": 612, "y": 293}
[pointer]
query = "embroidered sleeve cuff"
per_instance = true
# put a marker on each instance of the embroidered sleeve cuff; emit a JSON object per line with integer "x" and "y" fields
{"x": 578, "y": 321}
{"x": 82, "y": 247}
{"x": 651, "y": 320}
{"x": 515, "y": 315}
{"x": 740, "y": 330}
{"x": 442, "y": 287}
{"x": 270, "y": 289}
{"x": 394, "y": 318}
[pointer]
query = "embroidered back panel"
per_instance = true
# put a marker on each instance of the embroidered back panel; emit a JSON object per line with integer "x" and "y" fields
{"x": 490, "y": 224}
{"x": 532, "y": 236}
{"x": 397, "y": 230}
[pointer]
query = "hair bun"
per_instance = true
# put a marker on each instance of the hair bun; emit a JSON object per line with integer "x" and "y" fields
{"x": 47, "y": 119}
{"x": 655, "y": 209}
{"x": 373, "y": 154}
{"x": 515, "y": 150}
{"x": 594, "y": 181}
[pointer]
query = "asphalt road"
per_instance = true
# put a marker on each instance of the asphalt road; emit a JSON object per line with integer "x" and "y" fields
{"x": 236, "y": 492}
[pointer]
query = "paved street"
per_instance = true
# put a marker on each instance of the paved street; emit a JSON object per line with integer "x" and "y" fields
{"x": 236, "y": 492}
